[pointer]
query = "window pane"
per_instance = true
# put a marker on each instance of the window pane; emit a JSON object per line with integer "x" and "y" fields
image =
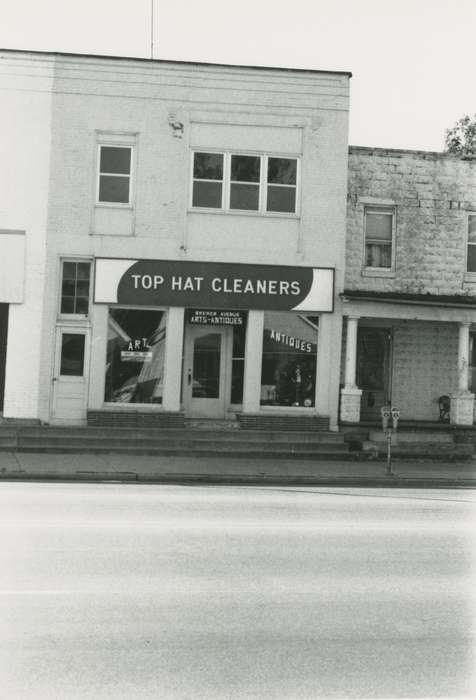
{"x": 378, "y": 255}
{"x": 135, "y": 356}
{"x": 82, "y": 271}
{"x": 69, "y": 270}
{"x": 115, "y": 160}
{"x": 472, "y": 228}
{"x": 206, "y": 366}
{"x": 81, "y": 306}
{"x": 69, "y": 288}
{"x": 113, "y": 189}
{"x": 207, "y": 194}
{"x": 378, "y": 226}
{"x": 67, "y": 305}
{"x": 289, "y": 361}
{"x": 282, "y": 171}
{"x": 244, "y": 197}
{"x": 208, "y": 166}
{"x": 472, "y": 258}
{"x": 72, "y": 354}
{"x": 245, "y": 168}
{"x": 281, "y": 199}
{"x": 82, "y": 288}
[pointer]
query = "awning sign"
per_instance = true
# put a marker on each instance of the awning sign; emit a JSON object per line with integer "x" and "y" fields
{"x": 213, "y": 285}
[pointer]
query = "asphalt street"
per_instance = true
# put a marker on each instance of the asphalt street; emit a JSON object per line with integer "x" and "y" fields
{"x": 219, "y": 592}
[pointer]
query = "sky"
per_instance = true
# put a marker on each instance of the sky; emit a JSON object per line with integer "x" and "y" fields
{"x": 413, "y": 61}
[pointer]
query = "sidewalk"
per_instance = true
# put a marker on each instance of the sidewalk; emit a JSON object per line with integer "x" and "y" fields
{"x": 141, "y": 468}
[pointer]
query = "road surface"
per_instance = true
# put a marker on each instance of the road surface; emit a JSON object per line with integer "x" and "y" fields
{"x": 148, "y": 591}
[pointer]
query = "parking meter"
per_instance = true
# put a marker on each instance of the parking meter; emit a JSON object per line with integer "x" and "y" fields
{"x": 387, "y": 413}
{"x": 395, "y": 416}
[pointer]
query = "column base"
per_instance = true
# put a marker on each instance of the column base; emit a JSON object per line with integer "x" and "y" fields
{"x": 350, "y": 404}
{"x": 462, "y": 408}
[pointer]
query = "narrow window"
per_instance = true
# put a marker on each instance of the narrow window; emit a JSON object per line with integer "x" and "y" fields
{"x": 245, "y": 182}
{"x": 75, "y": 288}
{"x": 208, "y": 180}
{"x": 72, "y": 354}
{"x": 282, "y": 184}
{"x": 471, "y": 265}
{"x": 114, "y": 174}
{"x": 379, "y": 225}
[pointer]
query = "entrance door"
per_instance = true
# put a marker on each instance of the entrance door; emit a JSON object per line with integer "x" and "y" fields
{"x": 69, "y": 380}
{"x": 3, "y": 349}
{"x": 373, "y": 370}
{"x": 206, "y": 371}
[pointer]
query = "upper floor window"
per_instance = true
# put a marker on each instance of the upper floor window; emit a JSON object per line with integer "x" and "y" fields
{"x": 471, "y": 258}
{"x": 75, "y": 284}
{"x": 379, "y": 236}
{"x": 245, "y": 182}
{"x": 114, "y": 175}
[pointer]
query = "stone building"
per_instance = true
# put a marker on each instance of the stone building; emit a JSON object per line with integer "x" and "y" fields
{"x": 410, "y": 285}
{"x": 172, "y": 240}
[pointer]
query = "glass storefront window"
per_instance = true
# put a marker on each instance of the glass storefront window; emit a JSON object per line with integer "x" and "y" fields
{"x": 288, "y": 375}
{"x": 135, "y": 356}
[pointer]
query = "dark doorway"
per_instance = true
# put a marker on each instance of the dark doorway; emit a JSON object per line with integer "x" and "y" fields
{"x": 373, "y": 370}
{"x": 3, "y": 349}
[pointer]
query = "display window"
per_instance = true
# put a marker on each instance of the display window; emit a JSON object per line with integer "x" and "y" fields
{"x": 135, "y": 356}
{"x": 288, "y": 374}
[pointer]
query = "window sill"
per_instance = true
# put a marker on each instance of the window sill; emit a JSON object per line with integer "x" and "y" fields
{"x": 287, "y": 409}
{"x": 112, "y": 205}
{"x": 242, "y": 212}
{"x": 78, "y": 319}
{"x": 378, "y": 272}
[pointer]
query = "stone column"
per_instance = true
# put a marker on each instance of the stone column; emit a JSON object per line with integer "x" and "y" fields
{"x": 462, "y": 402}
{"x": 350, "y": 394}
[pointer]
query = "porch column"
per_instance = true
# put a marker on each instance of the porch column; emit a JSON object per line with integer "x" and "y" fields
{"x": 253, "y": 359}
{"x": 173, "y": 359}
{"x": 350, "y": 394}
{"x": 462, "y": 403}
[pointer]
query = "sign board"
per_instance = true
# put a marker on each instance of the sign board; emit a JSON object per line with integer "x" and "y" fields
{"x": 209, "y": 317}
{"x": 213, "y": 285}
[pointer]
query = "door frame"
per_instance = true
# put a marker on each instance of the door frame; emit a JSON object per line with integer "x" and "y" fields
{"x": 62, "y": 329}
{"x": 367, "y": 412}
{"x": 195, "y": 407}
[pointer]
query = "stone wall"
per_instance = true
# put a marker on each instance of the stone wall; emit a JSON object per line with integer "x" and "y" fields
{"x": 433, "y": 193}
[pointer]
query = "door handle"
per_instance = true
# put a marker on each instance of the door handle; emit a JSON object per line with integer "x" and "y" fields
{"x": 189, "y": 377}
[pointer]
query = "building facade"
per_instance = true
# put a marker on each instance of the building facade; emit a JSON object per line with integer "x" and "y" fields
{"x": 172, "y": 238}
{"x": 410, "y": 286}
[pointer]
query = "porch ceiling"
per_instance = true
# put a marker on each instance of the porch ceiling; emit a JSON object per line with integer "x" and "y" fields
{"x": 418, "y": 307}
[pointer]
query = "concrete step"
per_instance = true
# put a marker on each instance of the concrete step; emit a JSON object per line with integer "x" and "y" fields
{"x": 250, "y": 451}
{"x": 414, "y": 436}
{"x": 238, "y": 436}
{"x": 434, "y": 451}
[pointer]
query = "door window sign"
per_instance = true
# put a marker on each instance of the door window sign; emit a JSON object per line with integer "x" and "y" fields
{"x": 210, "y": 317}
{"x": 213, "y": 285}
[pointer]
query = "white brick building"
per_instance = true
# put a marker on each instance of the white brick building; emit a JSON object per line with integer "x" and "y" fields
{"x": 172, "y": 239}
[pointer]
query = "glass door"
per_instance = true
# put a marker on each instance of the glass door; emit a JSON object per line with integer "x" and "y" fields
{"x": 205, "y": 369}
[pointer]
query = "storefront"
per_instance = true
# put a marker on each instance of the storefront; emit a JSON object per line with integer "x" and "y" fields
{"x": 207, "y": 339}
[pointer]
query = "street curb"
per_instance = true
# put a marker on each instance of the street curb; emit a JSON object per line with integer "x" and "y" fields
{"x": 245, "y": 480}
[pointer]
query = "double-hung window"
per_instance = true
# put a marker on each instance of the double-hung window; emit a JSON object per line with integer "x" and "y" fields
{"x": 114, "y": 174}
{"x": 245, "y": 182}
{"x": 379, "y": 237}
{"x": 75, "y": 285}
{"x": 471, "y": 257}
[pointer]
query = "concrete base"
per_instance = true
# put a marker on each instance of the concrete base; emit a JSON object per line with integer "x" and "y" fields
{"x": 462, "y": 408}
{"x": 350, "y": 404}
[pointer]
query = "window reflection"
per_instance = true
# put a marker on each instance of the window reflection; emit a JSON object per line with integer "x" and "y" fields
{"x": 288, "y": 376}
{"x": 135, "y": 356}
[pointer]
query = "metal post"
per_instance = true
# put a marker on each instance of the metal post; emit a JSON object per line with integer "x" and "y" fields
{"x": 389, "y": 452}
